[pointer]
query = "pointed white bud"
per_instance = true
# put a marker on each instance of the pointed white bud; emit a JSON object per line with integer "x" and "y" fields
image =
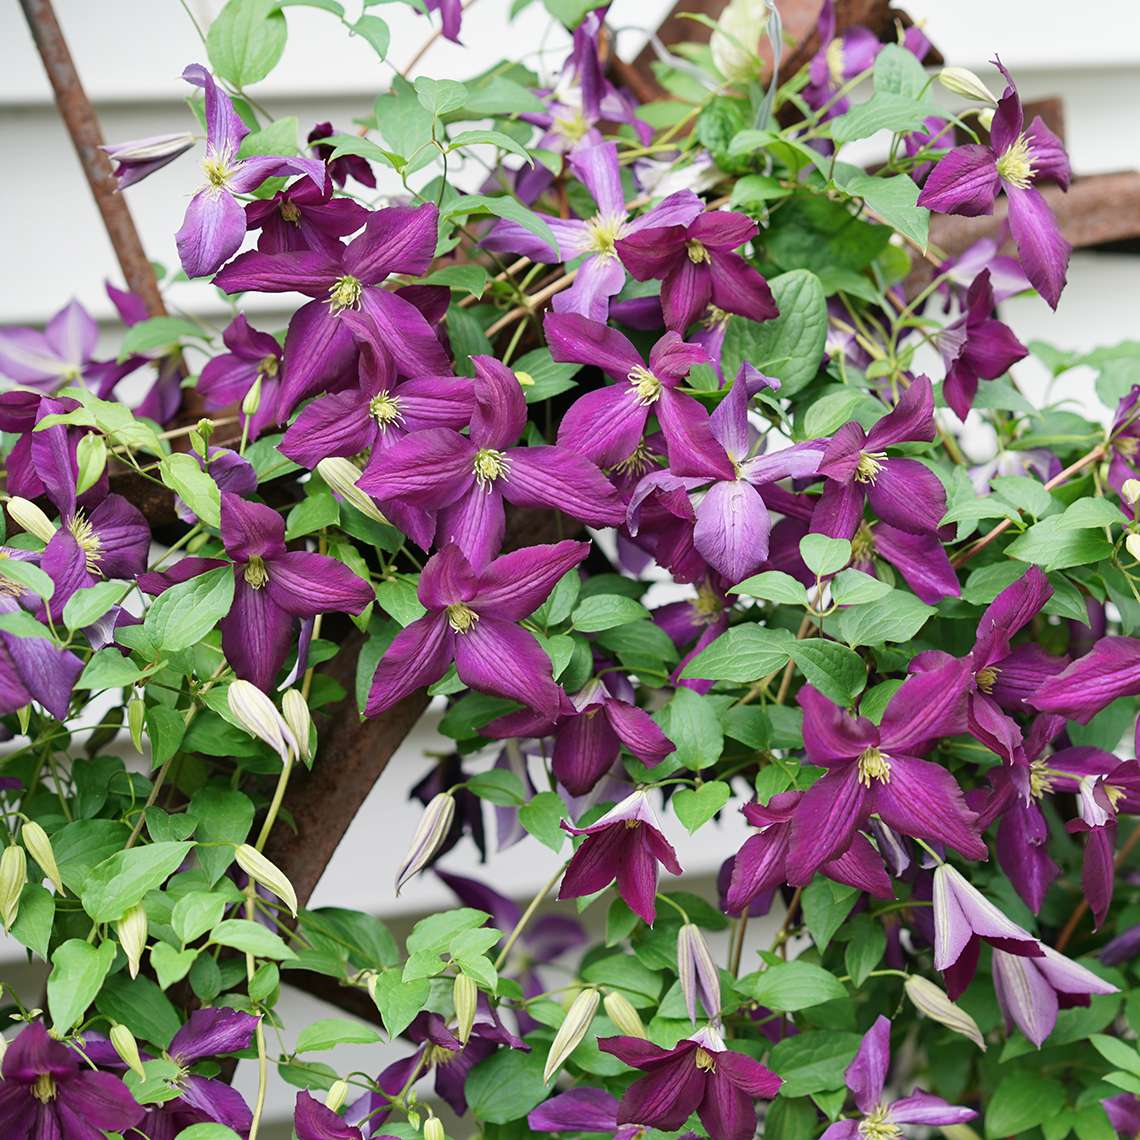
{"x": 131, "y": 930}
{"x": 986, "y": 118}
{"x": 571, "y": 1031}
{"x": 299, "y": 720}
{"x": 433, "y": 1129}
{"x": 432, "y": 830}
{"x": 736, "y": 41}
{"x": 27, "y": 516}
{"x": 39, "y": 847}
{"x": 336, "y": 1096}
{"x": 127, "y": 1047}
{"x": 266, "y": 874}
{"x": 698, "y": 974}
{"x": 258, "y": 715}
{"x": 1130, "y": 491}
{"x": 619, "y": 1009}
{"x": 341, "y": 475}
{"x": 929, "y": 999}
{"x": 252, "y": 399}
{"x": 465, "y": 995}
{"x": 1132, "y": 545}
{"x": 962, "y": 81}
{"x": 13, "y": 876}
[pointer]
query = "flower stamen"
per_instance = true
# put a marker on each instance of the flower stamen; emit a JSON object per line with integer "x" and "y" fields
{"x": 873, "y": 765}
{"x": 647, "y": 386}
{"x": 461, "y": 618}
{"x": 384, "y": 408}
{"x": 87, "y": 539}
{"x": 256, "y": 575}
{"x": 869, "y": 466}
{"x": 1015, "y": 165}
{"x": 489, "y": 466}
{"x": 345, "y": 293}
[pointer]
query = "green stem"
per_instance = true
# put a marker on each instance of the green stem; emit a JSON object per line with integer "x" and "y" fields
{"x": 527, "y": 915}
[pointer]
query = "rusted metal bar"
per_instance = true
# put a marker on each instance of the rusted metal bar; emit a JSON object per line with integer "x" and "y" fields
{"x": 83, "y": 126}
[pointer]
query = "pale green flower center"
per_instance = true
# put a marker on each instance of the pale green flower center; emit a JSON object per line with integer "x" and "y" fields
{"x": 489, "y": 466}
{"x": 384, "y": 408}
{"x": 985, "y": 678}
{"x": 345, "y": 293}
{"x": 878, "y": 1126}
{"x": 573, "y": 127}
{"x": 291, "y": 212}
{"x": 870, "y": 464}
{"x": 645, "y": 384}
{"x": 603, "y": 232}
{"x": 1015, "y": 166}
{"x": 707, "y": 606}
{"x": 1040, "y": 779}
{"x": 43, "y": 1089}
{"x": 705, "y": 1061}
{"x": 256, "y": 574}
{"x": 218, "y": 170}
{"x": 873, "y": 765}
{"x": 637, "y": 462}
{"x": 698, "y": 255}
{"x": 835, "y": 62}
{"x": 461, "y": 618}
{"x": 87, "y": 538}
{"x": 267, "y": 367}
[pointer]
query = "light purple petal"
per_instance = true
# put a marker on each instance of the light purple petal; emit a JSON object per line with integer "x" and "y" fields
{"x": 867, "y": 1074}
{"x": 211, "y": 233}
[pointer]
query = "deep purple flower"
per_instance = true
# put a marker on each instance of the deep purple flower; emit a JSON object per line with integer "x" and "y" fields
{"x": 347, "y": 299}
{"x": 273, "y": 587}
{"x": 1123, "y": 440}
{"x": 588, "y": 740}
{"x": 582, "y": 1110}
{"x": 304, "y": 216}
{"x": 61, "y": 354}
{"x": 921, "y": 559}
{"x": 1111, "y": 669}
{"x": 875, "y": 769}
{"x": 607, "y": 425}
{"x": 696, "y": 265}
{"x": 838, "y": 60}
{"x": 471, "y": 620}
{"x": 343, "y": 168}
{"x": 977, "y": 346}
{"x": 625, "y": 845}
{"x": 315, "y": 1121}
{"x": 214, "y": 226}
{"x": 967, "y": 181}
{"x": 867, "y": 1078}
{"x": 450, "y": 15}
{"x": 49, "y": 1092}
{"x": 698, "y": 1075}
{"x": 32, "y": 668}
{"x": 904, "y": 493}
{"x": 226, "y": 379}
{"x": 137, "y": 159}
{"x": 1123, "y": 1112}
{"x": 466, "y": 479}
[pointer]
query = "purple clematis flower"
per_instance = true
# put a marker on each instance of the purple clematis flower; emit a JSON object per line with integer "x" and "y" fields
{"x": 599, "y": 239}
{"x": 348, "y": 300}
{"x": 967, "y": 181}
{"x": 226, "y": 380}
{"x": 874, "y": 769}
{"x": 137, "y": 159}
{"x": 61, "y": 354}
{"x": 607, "y": 425}
{"x": 696, "y": 265}
{"x": 582, "y": 1110}
{"x": 273, "y": 587}
{"x": 921, "y": 559}
{"x": 343, "y": 168}
{"x": 699, "y": 1075}
{"x": 625, "y": 845}
{"x": 304, "y": 216}
{"x": 867, "y": 1078}
{"x": 1123, "y": 1112}
{"x": 1030, "y": 991}
{"x": 214, "y": 226}
{"x": 49, "y": 1092}
{"x": 466, "y": 479}
{"x": 977, "y": 346}
{"x": 760, "y": 865}
{"x": 315, "y": 1121}
{"x": 470, "y": 620}
{"x": 1124, "y": 440}
{"x": 837, "y": 62}
{"x": 588, "y": 740}
{"x": 1111, "y": 669}
{"x": 904, "y": 493}
{"x": 450, "y": 15}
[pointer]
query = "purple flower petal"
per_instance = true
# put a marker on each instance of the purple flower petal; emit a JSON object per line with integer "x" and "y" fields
{"x": 964, "y": 182}
{"x": 1043, "y": 249}
{"x": 732, "y": 528}
{"x": 305, "y": 585}
{"x": 516, "y": 584}
{"x": 565, "y": 480}
{"x": 211, "y": 233}
{"x": 418, "y": 656}
{"x": 498, "y": 657}
{"x": 867, "y": 1074}
{"x": 400, "y": 239}
{"x": 256, "y": 635}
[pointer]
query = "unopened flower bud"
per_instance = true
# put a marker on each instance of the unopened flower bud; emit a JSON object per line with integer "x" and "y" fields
{"x": 433, "y": 1129}
{"x": 39, "y": 847}
{"x": 1130, "y": 491}
{"x": 266, "y": 874}
{"x": 27, "y": 516}
{"x": 432, "y": 830}
{"x": 136, "y": 719}
{"x": 24, "y": 717}
{"x": 299, "y": 720}
{"x": 697, "y": 972}
{"x": 131, "y": 930}
{"x": 336, "y": 1096}
{"x": 258, "y": 715}
{"x": 736, "y": 40}
{"x": 251, "y": 401}
{"x": 90, "y": 461}
{"x": 929, "y": 999}
{"x": 571, "y": 1031}
{"x": 341, "y": 475}
{"x": 986, "y": 118}
{"x": 465, "y": 995}
{"x": 619, "y": 1009}
{"x": 198, "y": 443}
{"x": 1132, "y": 545}
{"x": 13, "y": 876}
{"x": 135, "y": 159}
{"x": 962, "y": 81}
{"x": 127, "y": 1047}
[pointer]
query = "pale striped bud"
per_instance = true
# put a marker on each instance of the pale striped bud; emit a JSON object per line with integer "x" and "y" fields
{"x": 127, "y": 1047}
{"x": 697, "y": 972}
{"x": 962, "y": 81}
{"x": 1130, "y": 491}
{"x": 929, "y": 999}
{"x": 433, "y": 1129}
{"x": 619, "y": 1009}
{"x": 39, "y": 847}
{"x": 13, "y": 877}
{"x": 735, "y": 42}
{"x": 252, "y": 399}
{"x": 266, "y": 874}
{"x": 258, "y": 715}
{"x": 571, "y": 1031}
{"x": 27, "y": 516}
{"x": 299, "y": 720}
{"x": 131, "y": 930}
{"x": 136, "y": 719}
{"x": 432, "y": 830}
{"x": 986, "y": 118}
{"x": 336, "y": 1096}
{"x": 465, "y": 995}
{"x": 341, "y": 475}
{"x": 1132, "y": 544}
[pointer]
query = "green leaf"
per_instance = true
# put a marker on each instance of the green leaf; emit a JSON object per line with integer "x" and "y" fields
{"x": 865, "y": 949}
{"x": 547, "y": 377}
{"x": 434, "y": 934}
{"x": 90, "y": 461}
{"x": 246, "y": 40}
{"x": 854, "y": 588}
{"x": 181, "y": 616}
{"x": 1051, "y": 546}
{"x": 108, "y": 669}
{"x": 502, "y": 207}
{"x": 896, "y": 616}
{"x": 826, "y": 904}
{"x": 814, "y": 1061}
{"x": 116, "y": 884}
{"x": 789, "y": 347}
{"x": 439, "y": 96}
{"x": 141, "y": 1006}
{"x": 170, "y": 965}
{"x": 541, "y": 816}
{"x": 833, "y": 669}
{"x": 196, "y": 913}
{"x": 29, "y": 576}
{"x": 251, "y": 938}
{"x": 183, "y": 474}
{"x": 774, "y": 586}
{"x": 331, "y": 1031}
{"x": 399, "y": 1001}
{"x": 208, "y": 1132}
{"x": 494, "y": 96}
{"x": 691, "y": 722}
{"x": 498, "y": 786}
{"x": 1117, "y": 1053}
{"x": 224, "y": 819}
{"x": 884, "y": 111}
{"x": 696, "y": 806}
{"x": 375, "y": 31}
{"x": 490, "y": 138}
{"x": 166, "y": 728}
{"x": 899, "y": 72}
{"x": 626, "y": 973}
{"x": 157, "y": 334}
{"x": 89, "y": 604}
{"x": 278, "y": 137}
{"x": 744, "y": 653}
{"x": 506, "y": 1086}
{"x": 605, "y": 611}
{"x": 895, "y": 201}
{"x": 1087, "y": 513}
{"x": 792, "y": 986}
{"x": 34, "y": 919}
{"x": 466, "y": 278}
{"x": 824, "y": 555}
{"x": 1022, "y": 1101}
{"x": 835, "y": 409}
{"x": 77, "y": 974}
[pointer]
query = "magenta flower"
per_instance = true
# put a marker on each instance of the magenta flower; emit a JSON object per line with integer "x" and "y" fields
{"x": 450, "y": 15}
{"x": 838, "y": 60}
{"x": 1123, "y": 1112}
{"x": 696, "y": 265}
{"x": 471, "y": 620}
{"x": 874, "y": 769}
{"x": 227, "y": 378}
{"x": 625, "y": 845}
{"x": 904, "y": 493}
{"x": 968, "y": 180}
{"x": 61, "y": 354}
{"x": 977, "y": 346}
{"x": 607, "y": 425}
{"x": 49, "y": 1092}
{"x": 1109, "y": 670}
{"x": 32, "y": 668}
{"x": 137, "y": 159}
{"x": 582, "y": 1110}
{"x": 304, "y": 216}
{"x": 867, "y": 1078}
{"x": 921, "y": 559}
{"x": 314, "y": 1121}
{"x": 343, "y": 168}
{"x": 699, "y": 1075}
{"x": 214, "y": 226}
{"x": 347, "y": 299}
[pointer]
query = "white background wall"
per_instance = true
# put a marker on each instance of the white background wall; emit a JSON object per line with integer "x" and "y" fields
{"x": 130, "y": 54}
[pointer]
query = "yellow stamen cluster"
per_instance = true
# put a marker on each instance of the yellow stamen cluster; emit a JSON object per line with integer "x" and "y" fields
{"x": 267, "y": 367}
{"x": 637, "y": 462}
{"x": 438, "y": 1055}
{"x": 461, "y": 618}
{"x": 489, "y": 466}
{"x": 869, "y": 466}
{"x": 863, "y": 544}
{"x": 604, "y": 231}
{"x": 1015, "y": 166}
{"x": 256, "y": 574}
{"x": 986, "y": 678}
{"x": 345, "y": 294}
{"x": 835, "y": 62}
{"x": 87, "y": 538}
{"x": 704, "y": 1060}
{"x": 879, "y": 1126}
{"x": 647, "y": 386}
{"x": 384, "y": 408}
{"x": 698, "y": 255}
{"x": 218, "y": 170}
{"x": 43, "y": 1088}
{"x": 873, "y": 765}
{"x": 291, "y": 212}
{"x": 572, "y": 127}
{"x": 1040, "y": 779}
